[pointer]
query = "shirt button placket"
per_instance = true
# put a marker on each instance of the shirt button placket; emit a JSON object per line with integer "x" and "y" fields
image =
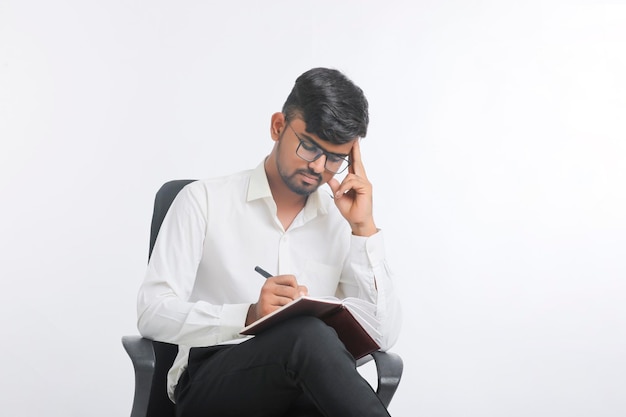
{"x": 284, "y": 263}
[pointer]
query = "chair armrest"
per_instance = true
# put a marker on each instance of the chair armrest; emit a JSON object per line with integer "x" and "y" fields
{"x": 389, "y": 367}
{"x": 142, "y": 355}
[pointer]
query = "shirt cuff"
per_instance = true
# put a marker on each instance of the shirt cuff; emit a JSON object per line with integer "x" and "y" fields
{"x": 233, "y": 319}
{"x": 369, "y": 249}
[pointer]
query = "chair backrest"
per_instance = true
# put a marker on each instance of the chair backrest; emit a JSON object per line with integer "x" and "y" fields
{"x": 159, "y": 404}
{"x": 162, "y": 202}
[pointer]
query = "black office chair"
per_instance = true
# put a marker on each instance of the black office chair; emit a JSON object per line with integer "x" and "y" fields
{"x": 152, "y": 360}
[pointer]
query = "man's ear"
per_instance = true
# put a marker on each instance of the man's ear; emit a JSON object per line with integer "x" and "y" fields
{"x": 278, "y": 124}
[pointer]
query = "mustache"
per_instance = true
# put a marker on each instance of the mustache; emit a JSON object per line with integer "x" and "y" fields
{"x": 310, "y": 173}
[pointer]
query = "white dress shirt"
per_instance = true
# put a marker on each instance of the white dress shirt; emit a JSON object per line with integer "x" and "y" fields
{"x": 200, "y": 280}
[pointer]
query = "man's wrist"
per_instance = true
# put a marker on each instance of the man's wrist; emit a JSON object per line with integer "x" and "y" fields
{"x": 251, "y": 316}
{"x": 365, "y": 230}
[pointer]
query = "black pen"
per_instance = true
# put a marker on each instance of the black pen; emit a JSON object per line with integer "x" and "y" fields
{"x": 262, "y": 272}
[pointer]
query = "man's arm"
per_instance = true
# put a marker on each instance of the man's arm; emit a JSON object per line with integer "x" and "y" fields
{"x": 366, "y": 274}
{"x": 163, "y": 307}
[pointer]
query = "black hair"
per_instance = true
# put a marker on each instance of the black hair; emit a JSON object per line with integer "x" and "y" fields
{"x": 331, "y": 105}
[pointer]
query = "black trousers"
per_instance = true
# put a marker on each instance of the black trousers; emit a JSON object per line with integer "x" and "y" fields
{"x": 298, "y": 368}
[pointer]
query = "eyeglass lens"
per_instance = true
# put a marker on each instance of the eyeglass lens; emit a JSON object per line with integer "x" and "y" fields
{"x": 310, "y": 152}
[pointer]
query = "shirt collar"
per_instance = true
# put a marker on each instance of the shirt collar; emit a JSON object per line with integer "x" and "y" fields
{"x": 259, "y": 187}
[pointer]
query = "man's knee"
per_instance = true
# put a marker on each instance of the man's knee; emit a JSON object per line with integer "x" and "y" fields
{"x": 310, "y": 334}
{"x": 308, "y": 328}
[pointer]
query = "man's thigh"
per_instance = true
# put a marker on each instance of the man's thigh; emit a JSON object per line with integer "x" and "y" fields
{"x": 249, "y": 379}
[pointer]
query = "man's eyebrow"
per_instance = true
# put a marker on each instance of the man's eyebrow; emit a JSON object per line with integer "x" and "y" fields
{"x": 310, "y": 139}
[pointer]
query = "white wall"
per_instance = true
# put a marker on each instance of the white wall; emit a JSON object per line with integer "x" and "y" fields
{"x": 497, "y": 150}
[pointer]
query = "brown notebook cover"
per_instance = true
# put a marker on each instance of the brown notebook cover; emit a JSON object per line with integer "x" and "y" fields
{"x": 332, "y": 312}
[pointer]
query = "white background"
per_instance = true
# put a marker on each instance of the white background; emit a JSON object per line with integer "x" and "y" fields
{"x": 497, "y": 149}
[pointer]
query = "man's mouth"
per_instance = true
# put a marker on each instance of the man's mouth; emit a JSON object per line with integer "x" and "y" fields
{"x": 311, "y": 178}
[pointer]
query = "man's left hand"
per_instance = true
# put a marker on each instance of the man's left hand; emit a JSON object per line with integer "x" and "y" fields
{"x": 353, "y": 196}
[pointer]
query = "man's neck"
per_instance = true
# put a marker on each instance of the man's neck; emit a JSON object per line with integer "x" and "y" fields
{"x": 288, "y": 203}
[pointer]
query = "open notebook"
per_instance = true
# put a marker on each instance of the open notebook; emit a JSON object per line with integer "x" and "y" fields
{"x": 353, "y": 319}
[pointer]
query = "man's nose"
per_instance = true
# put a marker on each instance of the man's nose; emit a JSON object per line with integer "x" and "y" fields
{"x": 318, "y": 165}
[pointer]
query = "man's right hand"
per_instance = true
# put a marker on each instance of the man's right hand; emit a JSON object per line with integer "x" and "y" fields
{"x": 275, "y": 293}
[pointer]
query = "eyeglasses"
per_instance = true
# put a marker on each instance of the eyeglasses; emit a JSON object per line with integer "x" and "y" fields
{"x": 310, "y": 152}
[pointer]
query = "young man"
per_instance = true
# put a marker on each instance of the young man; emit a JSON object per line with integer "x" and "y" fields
{"x": 201, "y": 288}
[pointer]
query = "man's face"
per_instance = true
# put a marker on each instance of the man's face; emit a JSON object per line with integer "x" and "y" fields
{"x": 300, "y": 176}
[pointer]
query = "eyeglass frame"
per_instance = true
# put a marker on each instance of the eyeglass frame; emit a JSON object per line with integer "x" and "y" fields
{"x": 321, "y": 151}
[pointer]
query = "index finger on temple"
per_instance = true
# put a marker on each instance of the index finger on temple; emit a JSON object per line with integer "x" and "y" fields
{"x": 356, "y": 165}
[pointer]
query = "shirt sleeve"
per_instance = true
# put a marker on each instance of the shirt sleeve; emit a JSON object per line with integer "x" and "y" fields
{"x": 163, "y": 308}
{"x": 366, "y": 275}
